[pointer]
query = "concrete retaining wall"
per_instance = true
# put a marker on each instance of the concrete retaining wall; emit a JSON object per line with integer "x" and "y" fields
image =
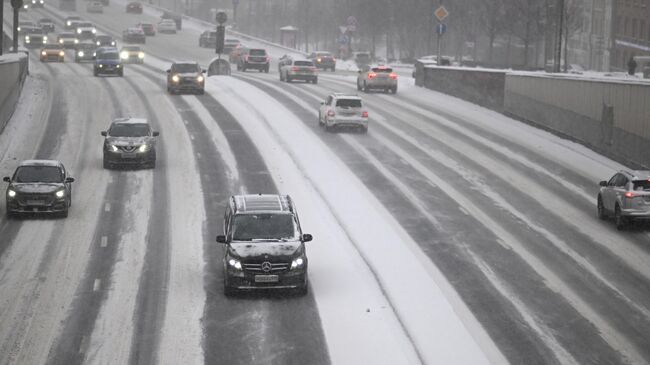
{"x": 611, "y": 117}
{"x": 13, "y": 70}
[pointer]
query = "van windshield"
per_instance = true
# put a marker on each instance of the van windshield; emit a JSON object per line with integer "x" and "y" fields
{"x": 266, "y": 226}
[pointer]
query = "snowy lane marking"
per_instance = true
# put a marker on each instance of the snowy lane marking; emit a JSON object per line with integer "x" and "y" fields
{"x": 107, "y": 207}
{"x": 192, "y": 137}
{"x": 198, "y": 155}
{"x": 83, "y": 344}
{"x": 463, "y": 210}
{"x": 104, "y": 241}
{"x": 96, "y": 284}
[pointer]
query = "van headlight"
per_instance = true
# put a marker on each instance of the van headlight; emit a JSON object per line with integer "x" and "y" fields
{"x": 61, "y": 41}
{"x": 43, "y": 53}
{"x": 60, "y": 193}
{"x": 175, "y": 78}
{"x": 11, "y": 193}
{"x": 200, "y": 78}
{"x": 61, "y": 53}
{"x": 297, "y": 263}
{"x": 234, "y": 264}
{"x": 141, "y": 55}
{"x": 124, "y": 55}
{"x": 81, "y": 53}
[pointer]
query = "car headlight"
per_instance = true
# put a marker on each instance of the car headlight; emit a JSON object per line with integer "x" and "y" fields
{"x": 61, "y": 53}
{"x": 100, "y": 66}
{"x": 144, "y": 148}
{"x": 61, "y": 41}
{"x": 235, "y": 263}
{"x": 68, "y": 23}
{"x": 199, "y": 79}
{"x": 11, "y": 193}
{"x": 78, "y": 31}
{"x": 124, "y": 55}
{"x": 94, "y": 30}
{"x": 76, "y": 41}
{"x": 98, "y": 43}
{"x": 60, "y": 193}
{"x": 27, "y": 38}
{"x": 94, "y": 54}
{"x": 43, "y": 53}
{"x": 297, "y": 262}
{"x": 114, "y": 148}
{"x": 80, "y": 54}
{"x": 112, "y": 43}
{"x": 141, "y": 55}
{"x": 175, "y": 78}
{"x": 118, "y": 66}
{"x": 44, "y": 38}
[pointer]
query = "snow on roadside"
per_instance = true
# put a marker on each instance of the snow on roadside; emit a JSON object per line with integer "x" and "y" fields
{"x": 419, "y": 315}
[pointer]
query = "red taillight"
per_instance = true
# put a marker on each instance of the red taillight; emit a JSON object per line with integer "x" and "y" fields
{"x": 246, "y": 58}
{"x": 364, "y": 114}
{"x": 295, "y": 69}
{"x": 313, "y": 69}
{"x": 331, "y": 113}
{"x": 371, "y": 75}
{"x": 268, "y": 58}
{"x": 629, "y": 194}
{"x": 333, "y": 59}
{"x": 393, "y": 76}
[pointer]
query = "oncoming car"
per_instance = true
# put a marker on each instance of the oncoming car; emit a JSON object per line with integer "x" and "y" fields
{"x": 265, "y": 245}
{"x": 343, "y": 110}
{"x": 134, "y": 7}
{"x": 626, "y": 197}
{"x": 132, "y": 54}
{"x": 108, "y": 62}
{"x": 84, "y": 51}
{"x": 105, "y": 40}
{"x": 94, "y": 7}
{"x": 130, "y": 142}
{"x": 377, "y": 78}
{"x": 39, "y": 186}
{"x": 67, "y": 39}
{"x": 167, "y": 26}
{"x": 52, "y": 52}
{"x": 185, "y": 76}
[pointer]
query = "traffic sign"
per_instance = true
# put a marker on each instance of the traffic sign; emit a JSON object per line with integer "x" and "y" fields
{"x": 352, "y": 20}
{"x": 441, "y": 28}
{"x": 441, "y": 13}
{"x": 221, "y": 17}
{"x": 17, "y": 4}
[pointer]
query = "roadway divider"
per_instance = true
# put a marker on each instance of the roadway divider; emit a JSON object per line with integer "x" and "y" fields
{"x": 13, "y": 71}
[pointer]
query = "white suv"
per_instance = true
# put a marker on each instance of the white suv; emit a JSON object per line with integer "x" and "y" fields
{"x": 343, "y": 110}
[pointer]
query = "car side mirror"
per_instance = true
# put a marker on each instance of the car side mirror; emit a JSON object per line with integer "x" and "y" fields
{"x": 104, "y": 133}
{"x": 307, "y": 237}
{"x": 603, "y": 183}
{"x": 322, "y": 103}
{"x": 6, "y": 179}
{"x": 69, "y": 180}
{"x": 221, "y": 239}
{"x": 156, "y": 133}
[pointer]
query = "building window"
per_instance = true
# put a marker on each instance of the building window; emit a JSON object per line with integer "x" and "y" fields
{"x": 641, "y": 28}
{"x": 634, "y": 26}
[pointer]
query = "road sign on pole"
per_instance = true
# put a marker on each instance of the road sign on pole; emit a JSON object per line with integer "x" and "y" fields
{"x": 441, "y": 13}
{"x": 441, "y": 28}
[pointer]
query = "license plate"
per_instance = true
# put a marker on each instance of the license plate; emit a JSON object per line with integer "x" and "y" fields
{"x": 35, "y": 202}
{"x": 129, "y": 155}
{"x": 266, "y": 278}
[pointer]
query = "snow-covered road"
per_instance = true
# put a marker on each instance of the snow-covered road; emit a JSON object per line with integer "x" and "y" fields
{"x": 449, "y": 234}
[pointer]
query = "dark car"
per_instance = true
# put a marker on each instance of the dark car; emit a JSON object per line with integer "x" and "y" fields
{"x": 323, "y": 60}
{"x": 35, "y": 3}
{"x": 130, "y": 142}
{"x": 84, "y": 51}
{"x": 47, "y": 24}
{"x": 39, "y": 186}
{"x": 105, "y": 40}
{"x": 134, "y": 35}
{"x": 256, "y": 59}
{"x": 134, "y": 7}
{"x": 34, "y": 37}
{"x": 208, "y": 39}
{"x": 265, "y": 246}
{"x": 69, "y": 22}
{"x": 108, "y": 62}
{"x": 186, "y": 76}
{"x": 177, "y": 18}
{"x": 148, "y": 29}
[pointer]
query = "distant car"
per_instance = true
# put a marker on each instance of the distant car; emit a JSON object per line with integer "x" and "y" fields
{"x": 132, "y": 54}
{"x": 323, "y": 60}
{"x": 148, "y": 29}
{"x": 67, "y": 39}
{"x": 167, "y": 26}
{"x": 185, "y": 76}
{"x": 299, "y": 69}
{"x": 175, "y": 17}
{"x": 134, "y": 35}
{"x": 265, "y": 245}
{"x": 105, "y": 40}
{"x": 36, "y": 4}
{"x": 47, "y": 24}
{"x": 208, "y": 39}
{"x": 256, "y": 59}
{"x": 626, "y": 197}
{"x": 237, "y": 53}
{"x": 69, "y": 22}
{"x": 39, "y": 186}
{"x": 52, "y": 53}
{"x": 129, "y": 142}
{"x": 362, "y": 58}
{"x": 229, "y": 44}
{"x": 377, "y": 78}
{"x": 94, "y": 7}
{"x": 134, "y": 7}
{"x": 343, "y": 110}
{"x": 284, "y": 60}
{"x": 34, "y": 37}
{"x": 85, "y": 30}
{"x": 84, "y": 51}
{"x": 24, "y": 26}
{"x": 108, "y": 62}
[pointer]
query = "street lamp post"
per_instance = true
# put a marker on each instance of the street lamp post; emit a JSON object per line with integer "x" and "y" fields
{"x": 558, "y": 54}
{"x": 2, "y": 34}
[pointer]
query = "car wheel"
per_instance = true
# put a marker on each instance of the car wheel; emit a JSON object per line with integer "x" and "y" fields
{"x": 364, "y": 130}
{"x": 64, "y": 214}
{"x": 328, "y": 128}
{"x": 95, "y": 73}
{"x": 315, "y": 81}
{"x": 201, "y": 92}
{"x": 266, "y": 70}
{"x": 228, "y": 290}
{"x": 107, "y": 165}
{"x": 395, "y": 90}
{"x": 10, "y": 215}
{"x": 601, "y": 209}
{"x": 152, "y": 164}
{"x": 358, "y": 86}
{"x": 365, "y": 87}
{"x": 243, "y": 69}
{"x": 620, "y": 221}
{"x": 288, "y": 79}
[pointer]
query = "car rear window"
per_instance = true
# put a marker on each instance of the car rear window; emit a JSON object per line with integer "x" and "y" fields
{"x": 641, "y": 185}
{"x": 348, "y": 103}
{"x": 303, "y": 63}
{"x": 257, "y": 52}
{"x": 382, "y": 70}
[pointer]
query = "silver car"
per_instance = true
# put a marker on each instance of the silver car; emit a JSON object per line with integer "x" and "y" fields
{"x": 377, "y": 78}
{"x": 626, "y": 197}
{"x": 299, "y": 69}
{"x": 343, "y": 110}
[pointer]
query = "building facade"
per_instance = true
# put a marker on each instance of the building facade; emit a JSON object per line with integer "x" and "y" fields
{"x": 630, "y": 31}
{"x": 590, "y": 30}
